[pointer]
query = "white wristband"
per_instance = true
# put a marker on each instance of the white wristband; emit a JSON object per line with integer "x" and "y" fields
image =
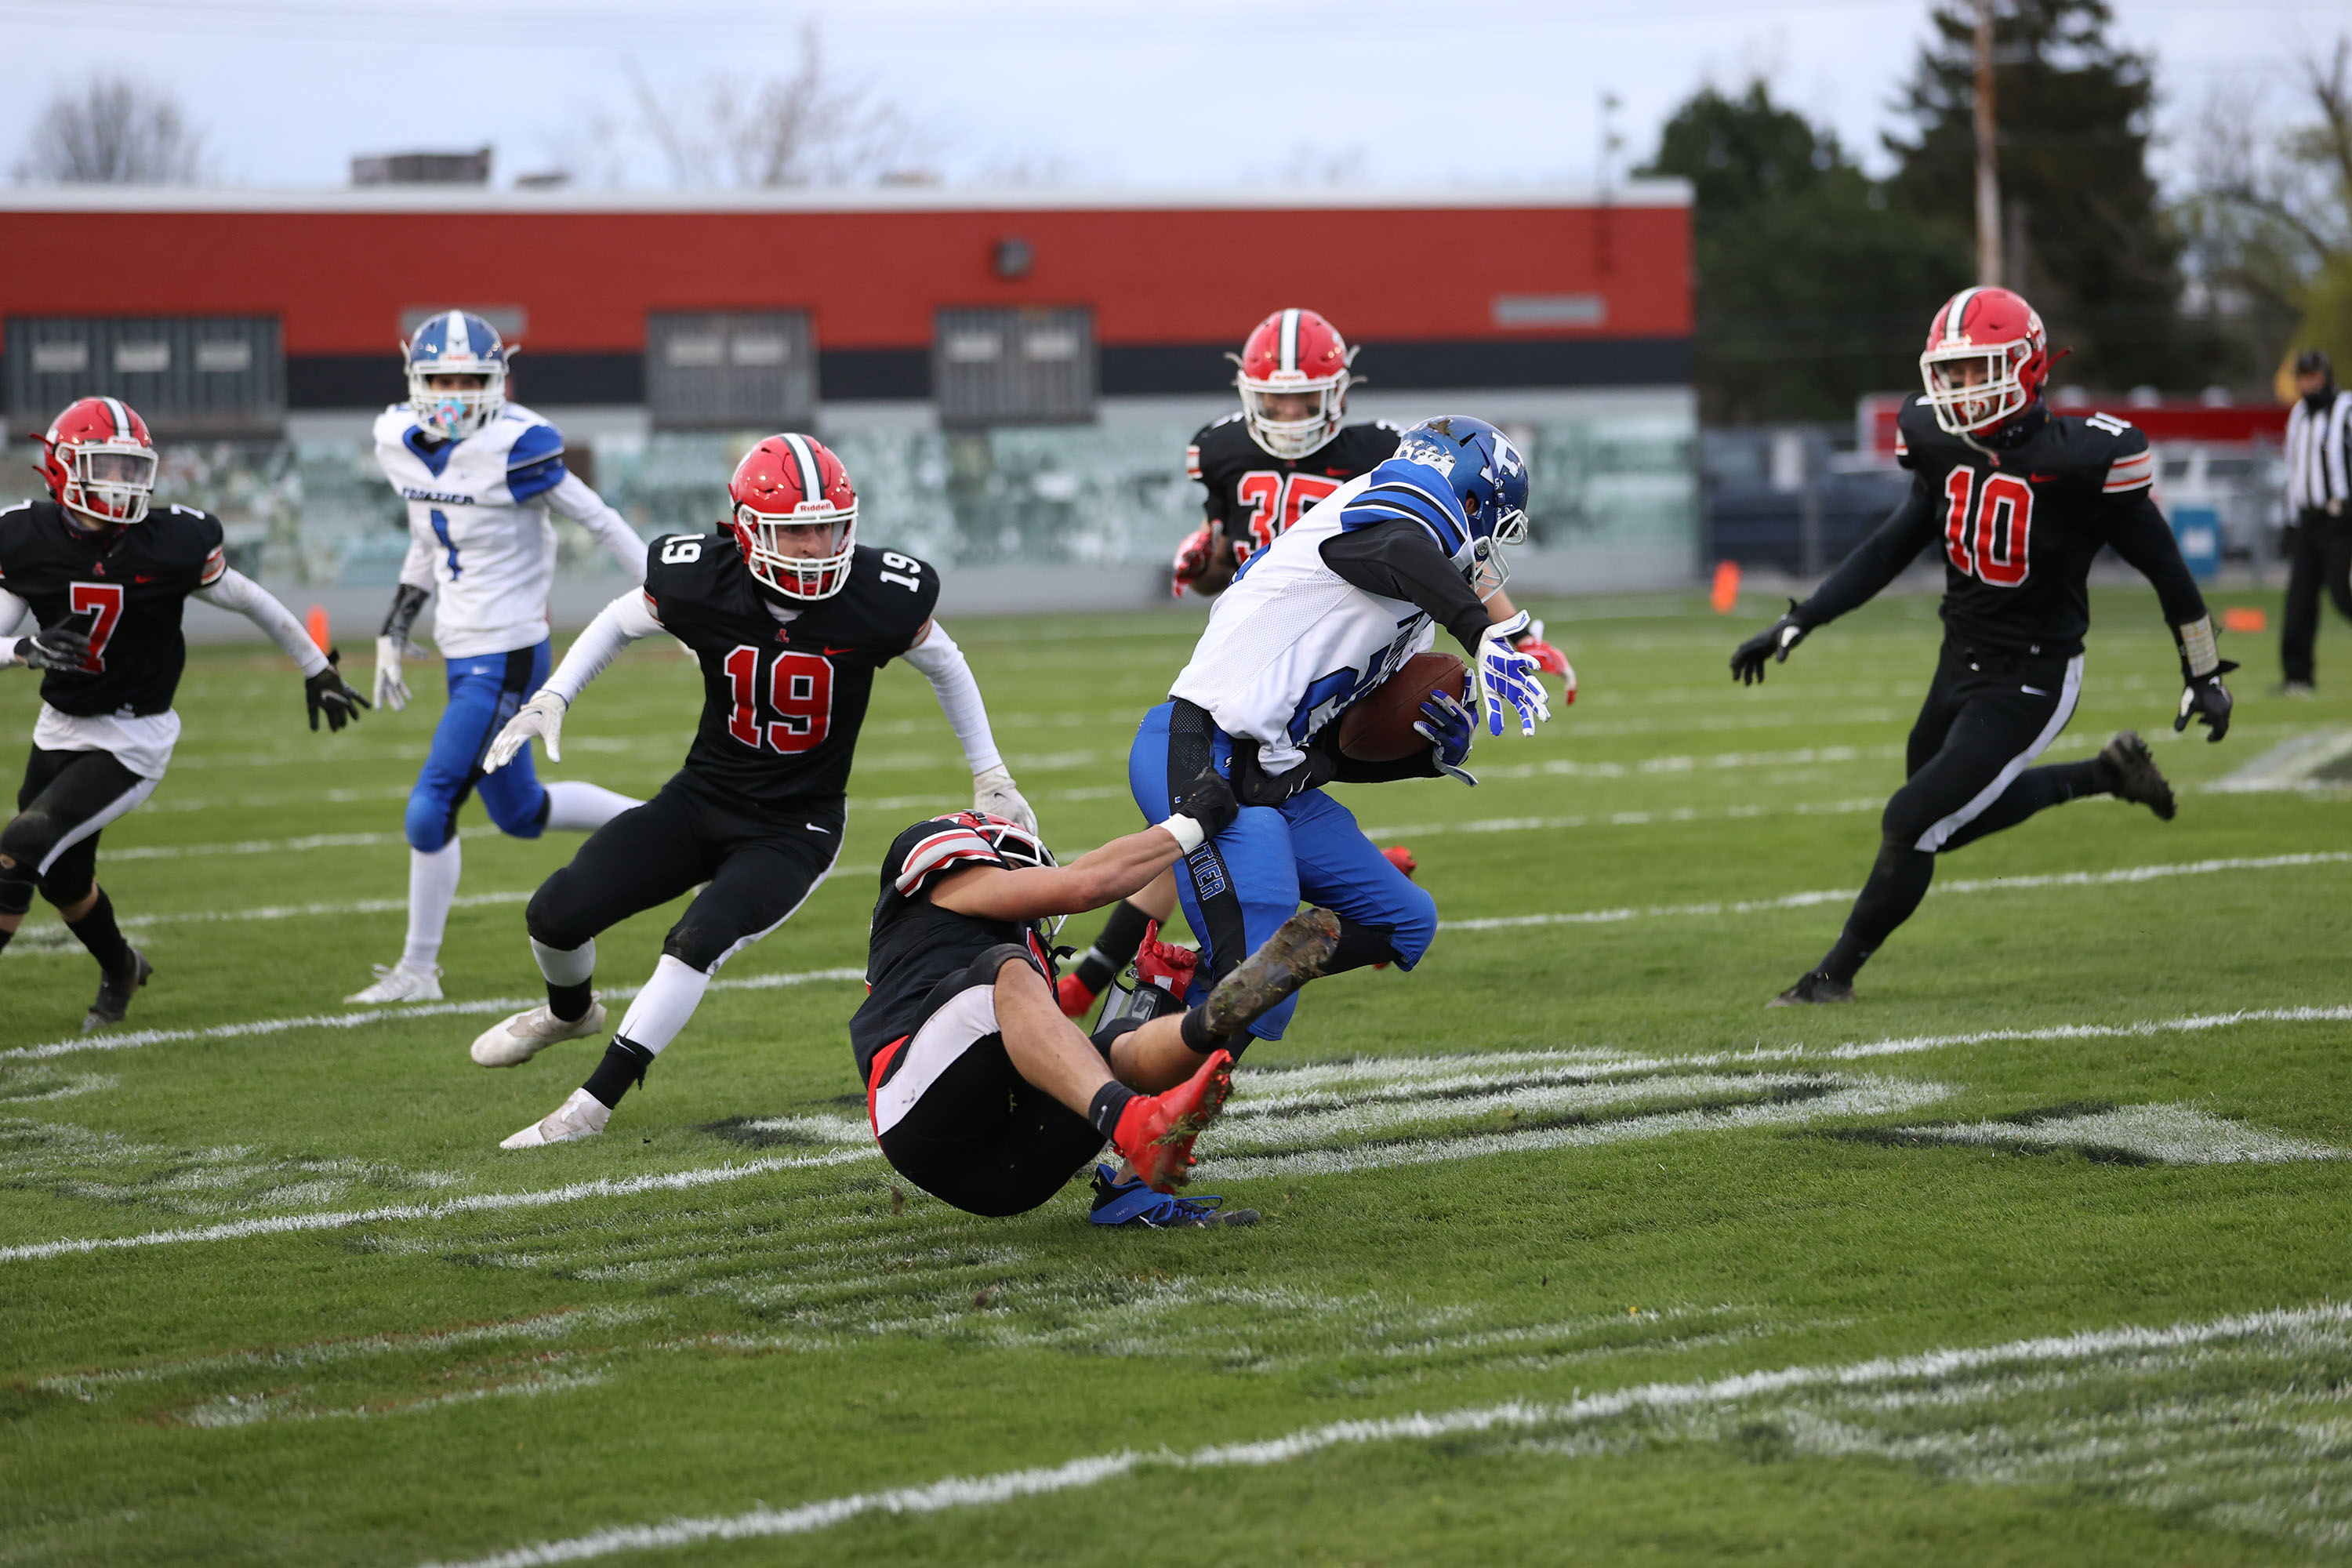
{"x": 1186, "y": 832}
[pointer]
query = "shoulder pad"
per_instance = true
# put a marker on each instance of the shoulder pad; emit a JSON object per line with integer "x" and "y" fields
{"x": 684, "y": 566}
{"x": 535, "y": 444}
{"x": 2117, "y": 450}
{"x": 1916, "y": 429}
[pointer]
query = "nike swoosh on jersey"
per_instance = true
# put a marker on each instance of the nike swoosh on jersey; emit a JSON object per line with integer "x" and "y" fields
{"x": 138, "y": 577}
{"x": 2044, "y": 478}
{"x": 829, "y": 648}
{"x": 2033, "y": 692}
{"x": 818, "y": 827}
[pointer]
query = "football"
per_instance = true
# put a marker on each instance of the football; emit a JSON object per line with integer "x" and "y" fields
{"x": 1379, "y": 729}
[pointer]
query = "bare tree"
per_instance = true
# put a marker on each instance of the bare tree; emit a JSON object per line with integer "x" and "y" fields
{"x": 813, "y": 127}
{"x": 114, "y": 131}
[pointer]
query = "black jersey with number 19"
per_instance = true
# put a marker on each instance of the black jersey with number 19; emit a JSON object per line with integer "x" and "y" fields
{"x": 783, "y": 699}
{"x": 122, "y": 587}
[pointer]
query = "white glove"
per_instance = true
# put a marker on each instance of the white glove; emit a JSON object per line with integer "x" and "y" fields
{"x": 391, "y": 686}
{"x": 1507, "y": 675}
{"x": 541, "y": 719}
{"x": 993, "y": 793}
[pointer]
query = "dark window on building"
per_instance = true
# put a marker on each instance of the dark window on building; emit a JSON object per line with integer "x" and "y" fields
{"x": 187, "y": 375}
{"x": 738, "y": 370}
{"x": 1014, "y": 367}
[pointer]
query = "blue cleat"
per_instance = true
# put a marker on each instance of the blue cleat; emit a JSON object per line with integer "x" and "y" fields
{"x": 1131, "y": 1203}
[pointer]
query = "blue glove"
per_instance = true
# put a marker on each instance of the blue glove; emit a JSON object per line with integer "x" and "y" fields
{"x": 1507, "y": 675}
{"x": 1448, "y": 728}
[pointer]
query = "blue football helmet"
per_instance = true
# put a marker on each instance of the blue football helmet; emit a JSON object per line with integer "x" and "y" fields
{"x": 456, "y": 343}
{"x": 1489, "y": 477}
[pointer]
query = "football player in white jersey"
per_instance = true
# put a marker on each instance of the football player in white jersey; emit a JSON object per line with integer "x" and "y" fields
{"x": 1311, "y": 624}
{"x": 480, "y": 475}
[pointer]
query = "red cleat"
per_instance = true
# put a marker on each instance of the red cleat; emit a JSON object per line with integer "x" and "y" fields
{"x": 1071, "y": 993}
{"x": 1397, "y": 856}
{"x": 1155, "y": 1131}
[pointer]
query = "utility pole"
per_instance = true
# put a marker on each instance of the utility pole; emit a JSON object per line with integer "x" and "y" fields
{"x": 1989, "y": 235}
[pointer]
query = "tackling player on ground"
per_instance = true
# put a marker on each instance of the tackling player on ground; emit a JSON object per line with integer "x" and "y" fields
{"x": 480, "y": 475}
{"x": 1311, "y": 624}
{"x": 107, "y": 578}
{"x": 1263, "y": 468}
{"x": 2022, "y": 500}
{"x": 790, "y": 618}
{"x": 981, "y": 1092}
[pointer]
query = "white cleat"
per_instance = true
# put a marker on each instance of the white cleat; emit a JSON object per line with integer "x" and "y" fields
{"x": 582, "y": 1116}
{"x": 518, "y": 1039}
{"x": 400, "y": 983}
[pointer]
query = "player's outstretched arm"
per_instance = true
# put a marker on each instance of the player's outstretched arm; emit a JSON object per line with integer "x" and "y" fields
{"x": 1867, "y": 568}
{"x": 1124, "y": 865}
{"x": 2138, "y": 529}
{"x": 943, "y": 665}
{"x": 616, "y": 625}
{"x": 572, "y": 498}
{"x": 324, "y": 691}
{"x": 393, "y": 646}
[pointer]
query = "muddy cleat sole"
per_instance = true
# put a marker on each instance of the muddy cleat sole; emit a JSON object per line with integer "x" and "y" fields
{"x": 1812, "y": 990}
{"x": 115, "y": 991}
{"x": 516, "y": 1040}
{"x": 582, "y": 1116}
{"x": 1295, "y": 954}
{"x": 1156, "y": 1131}
{"x": 2131, "y": 775}
{"x": 1131, "y": 1202}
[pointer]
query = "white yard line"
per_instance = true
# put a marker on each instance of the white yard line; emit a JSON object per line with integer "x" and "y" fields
{"x": 1004, "y": 1486}
{"x": 1979, "y": 885}
{"x": 137, "y": 1037}
{"x": 446, "y": 1209}
{"x": 1626, "y": 819}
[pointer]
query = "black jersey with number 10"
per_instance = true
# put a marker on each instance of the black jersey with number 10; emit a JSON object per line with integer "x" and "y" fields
{"x": 782, "y": 701}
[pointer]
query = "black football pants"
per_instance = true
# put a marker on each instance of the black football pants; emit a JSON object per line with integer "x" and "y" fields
{"x": 66, "y": 799}
{"x": 1986, "y": 717}
{"x": 2318, "y": 555}
{"x": 760, "y": 867}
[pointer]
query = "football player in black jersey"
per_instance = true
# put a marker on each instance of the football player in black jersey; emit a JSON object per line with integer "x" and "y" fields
{"x": 1263, "y": 467}
{"x": 790, "y": 618}
{"x": 106, "y": 577}
{"x": 2021, "y": 500}
{"x": 980, "y": 1091}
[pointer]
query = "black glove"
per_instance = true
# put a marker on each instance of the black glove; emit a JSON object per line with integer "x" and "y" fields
{"x": 326, "y": 693}
{"x": 2204, "y": 698}
{"x": 1209, "y": 801}
{"x": 59, "y": 647}
{"x": 1774, "y": 643}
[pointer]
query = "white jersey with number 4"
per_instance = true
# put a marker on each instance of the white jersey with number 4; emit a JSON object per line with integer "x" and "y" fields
{"x": 1291, "y": 643}
{"x": 479, "y": 537}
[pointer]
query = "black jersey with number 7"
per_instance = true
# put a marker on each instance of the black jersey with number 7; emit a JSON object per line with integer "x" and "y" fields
{"x": 782, "y": 698}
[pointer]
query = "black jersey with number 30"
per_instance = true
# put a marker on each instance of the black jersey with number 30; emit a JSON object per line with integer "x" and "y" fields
{"x": 1255, "y": 497}
{"x": 783, "y": 701}
{"x": 123, "y": 588}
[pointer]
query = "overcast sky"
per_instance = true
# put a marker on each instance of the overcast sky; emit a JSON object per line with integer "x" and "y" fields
{"x": 1182, "y": 92}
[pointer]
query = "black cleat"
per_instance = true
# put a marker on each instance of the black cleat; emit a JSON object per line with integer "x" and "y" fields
{"x": 1293, "y": 955}
{"x": 2129, "y": 773}
{"x": 1812, "y": 988}
{"x": 114, "y": 991}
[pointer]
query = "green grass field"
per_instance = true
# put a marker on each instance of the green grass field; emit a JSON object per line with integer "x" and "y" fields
{"x": 1572, "y": 1251}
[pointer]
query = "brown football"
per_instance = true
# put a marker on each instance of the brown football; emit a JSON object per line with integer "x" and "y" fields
{"x": 1379, "y": 729}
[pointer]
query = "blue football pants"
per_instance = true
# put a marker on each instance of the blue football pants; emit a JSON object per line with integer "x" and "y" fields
{"x": 484, "y": 693}
{"x": 1243, "y": 884}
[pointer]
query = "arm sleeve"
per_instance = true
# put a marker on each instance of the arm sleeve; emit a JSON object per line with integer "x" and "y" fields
{"x": 1396, "y": 560}
{"x": 12, "y": 611}
{"x": 574, "y": 500}
{"x": 942, "y": 664}
{"x": 417, "y": 566}
{"x": 616, "y": 625}
{"x": 2142, "y": 537}
{"x": 233, "y": 590}
{"x": 1878, "y": 560}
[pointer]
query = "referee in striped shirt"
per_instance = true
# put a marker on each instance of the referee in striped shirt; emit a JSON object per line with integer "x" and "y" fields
{"x": 2319, "y": 533}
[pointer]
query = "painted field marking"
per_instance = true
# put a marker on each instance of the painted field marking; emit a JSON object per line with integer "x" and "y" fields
{"x": 2159, "y": 1134}
{"x": 53, "y": 936}
{"x": 1627, "y": 818}
{"x": 135, "y": 1039}
{"x": 1005, "y": 1486}
{"x": 1979, "y": 885}
{"x": 276, "y": 845}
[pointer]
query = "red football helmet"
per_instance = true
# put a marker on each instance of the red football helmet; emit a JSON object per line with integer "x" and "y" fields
{"x": 100, "y": 461}
{"x": 1293, "y": 351}
{"x": 793, "y": 481}
{"x": 1997, "y": 335}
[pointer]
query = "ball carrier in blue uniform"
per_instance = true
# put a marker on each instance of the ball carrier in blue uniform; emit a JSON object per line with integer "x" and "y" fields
{"x": 1311, "y": 624}
{"x": 480, "y": 475}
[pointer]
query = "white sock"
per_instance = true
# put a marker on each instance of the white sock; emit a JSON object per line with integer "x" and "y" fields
{"x": 565, "y": 966}
{"x": 664, "y": 1004}
{"x": 576, "y": 807}
{"x": 432, "y": 889}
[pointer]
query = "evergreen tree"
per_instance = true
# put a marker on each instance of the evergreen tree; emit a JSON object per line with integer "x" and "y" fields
{"x": 1812, "y": 288}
